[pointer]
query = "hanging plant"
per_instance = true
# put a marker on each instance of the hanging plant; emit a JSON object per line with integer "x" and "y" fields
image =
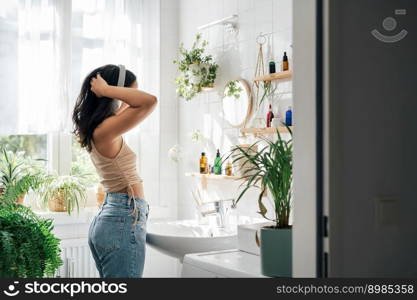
{"x": 197, "y": 71}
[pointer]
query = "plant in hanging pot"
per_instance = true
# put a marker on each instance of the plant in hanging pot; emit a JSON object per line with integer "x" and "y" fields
{"x": 63, "y": 192}
{"x": 19, "y": 174}
{"x": 271, "y": 171}
{"x": 197, "y": 71}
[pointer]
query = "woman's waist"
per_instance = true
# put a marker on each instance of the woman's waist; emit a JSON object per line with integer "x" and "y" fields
{"x": 123, "y": 199}
{"x": 120, "y": 185}
{"x": 119, "y": 177}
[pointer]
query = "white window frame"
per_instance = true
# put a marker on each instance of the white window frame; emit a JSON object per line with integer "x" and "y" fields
{"x": 59, "y": 152}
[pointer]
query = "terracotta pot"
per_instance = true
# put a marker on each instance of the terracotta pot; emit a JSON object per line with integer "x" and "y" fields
{"x": 57, "y": 204}
{"x": 100, "y": 195}
{"x": 21, "y": 199}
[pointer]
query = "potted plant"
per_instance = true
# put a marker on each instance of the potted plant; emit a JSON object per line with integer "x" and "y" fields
{"x": 271, "y": 171}
{"x": 27, "y": 246}
{"x": 63, "y": 192}
{"x": 197, "y": 70}
{"x": 19, "y": 174}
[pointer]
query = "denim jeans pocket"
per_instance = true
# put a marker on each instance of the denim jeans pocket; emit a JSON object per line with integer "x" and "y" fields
{"x": 108, "y": 232}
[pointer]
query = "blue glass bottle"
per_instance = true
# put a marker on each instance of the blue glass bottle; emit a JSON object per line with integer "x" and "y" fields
{"x": 288, "y": 117}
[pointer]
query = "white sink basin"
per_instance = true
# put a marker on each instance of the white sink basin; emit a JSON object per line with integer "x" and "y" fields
{"x": 177, "y": 238}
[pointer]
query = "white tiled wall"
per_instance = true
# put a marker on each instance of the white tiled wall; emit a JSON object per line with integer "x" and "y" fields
{"x": 236, "y": 55}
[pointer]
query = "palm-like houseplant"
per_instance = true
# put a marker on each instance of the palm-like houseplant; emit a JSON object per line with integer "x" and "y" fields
{"x": 63, "y": 192}
{"x": 270, "y": 170}
{"x": 19, "y": 174}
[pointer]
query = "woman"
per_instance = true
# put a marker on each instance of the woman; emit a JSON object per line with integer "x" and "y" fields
{"x": 117, "y": 234}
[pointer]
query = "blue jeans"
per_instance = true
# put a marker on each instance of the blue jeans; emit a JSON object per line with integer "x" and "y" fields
{"x": 117, "y": 236}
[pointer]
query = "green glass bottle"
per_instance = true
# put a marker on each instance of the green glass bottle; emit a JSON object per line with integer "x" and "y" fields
{"x": 217, "y": 164}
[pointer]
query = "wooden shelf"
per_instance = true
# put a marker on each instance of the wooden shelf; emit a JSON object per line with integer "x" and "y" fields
{"x": 274, "y": 76}
{"x": 204, "y": 178}
{"x": 265, "y": 131}
{"x": 212, "y": 176}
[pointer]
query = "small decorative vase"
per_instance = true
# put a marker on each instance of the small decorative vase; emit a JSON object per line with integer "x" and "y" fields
{"x": 276, "y": 252}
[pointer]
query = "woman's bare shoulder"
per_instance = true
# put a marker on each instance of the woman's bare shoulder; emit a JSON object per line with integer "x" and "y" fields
{"x": 106, "y": 146}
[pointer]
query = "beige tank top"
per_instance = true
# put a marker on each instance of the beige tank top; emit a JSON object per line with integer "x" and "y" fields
{"x": 116, "y": 173}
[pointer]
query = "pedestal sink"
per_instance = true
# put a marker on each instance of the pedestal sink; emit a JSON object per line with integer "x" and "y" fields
{"x": 177, "y": 238}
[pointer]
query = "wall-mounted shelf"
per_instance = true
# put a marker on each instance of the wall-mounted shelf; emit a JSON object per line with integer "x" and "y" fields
{"x": 212, "y": 176}
{"x": 204, "y": 178}
{"x": 274, "y": 76}
{"x": 265, "y": 131}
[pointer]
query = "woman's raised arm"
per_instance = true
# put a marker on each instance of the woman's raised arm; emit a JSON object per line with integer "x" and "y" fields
{"x": 140, "y": 105}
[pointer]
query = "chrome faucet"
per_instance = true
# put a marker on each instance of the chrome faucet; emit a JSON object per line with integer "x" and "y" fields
{"x": 220, "y": 208}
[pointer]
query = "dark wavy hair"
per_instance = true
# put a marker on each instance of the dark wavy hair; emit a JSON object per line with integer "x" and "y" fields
{"x": 89, "y": 110}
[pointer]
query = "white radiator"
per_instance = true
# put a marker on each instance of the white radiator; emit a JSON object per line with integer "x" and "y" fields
{"x": 77, "y": 259}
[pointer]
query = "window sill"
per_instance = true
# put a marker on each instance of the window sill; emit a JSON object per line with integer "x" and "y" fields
{"x": 62, "y": 218}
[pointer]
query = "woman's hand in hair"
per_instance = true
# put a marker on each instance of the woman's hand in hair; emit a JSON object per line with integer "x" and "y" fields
{"x": 98, "y": 86}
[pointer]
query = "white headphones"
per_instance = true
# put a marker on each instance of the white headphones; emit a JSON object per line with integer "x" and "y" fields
{"x": 122, "y": 75}
{"x": 120, "y": 82}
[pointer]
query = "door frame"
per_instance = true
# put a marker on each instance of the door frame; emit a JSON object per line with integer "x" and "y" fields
{"x": 308, "y": 138}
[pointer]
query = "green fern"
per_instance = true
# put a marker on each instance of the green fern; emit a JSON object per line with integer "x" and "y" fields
{"x": 27, "y": 246}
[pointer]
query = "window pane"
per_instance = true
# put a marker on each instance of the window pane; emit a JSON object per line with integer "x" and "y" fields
{"x": 34, "y": 146}
{"x": 82, "y": 165}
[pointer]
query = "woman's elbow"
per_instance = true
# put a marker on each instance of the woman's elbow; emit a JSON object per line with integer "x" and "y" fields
{"x": 153, "y": 101}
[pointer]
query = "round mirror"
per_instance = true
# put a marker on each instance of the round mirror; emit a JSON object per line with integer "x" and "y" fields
{"x": 237, "y": 102}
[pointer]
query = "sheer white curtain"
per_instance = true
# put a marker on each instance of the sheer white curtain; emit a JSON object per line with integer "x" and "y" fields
{"x": 33, "y": 81}
{"x": 46, "y": 49}
{"x": 106, "y": 32}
